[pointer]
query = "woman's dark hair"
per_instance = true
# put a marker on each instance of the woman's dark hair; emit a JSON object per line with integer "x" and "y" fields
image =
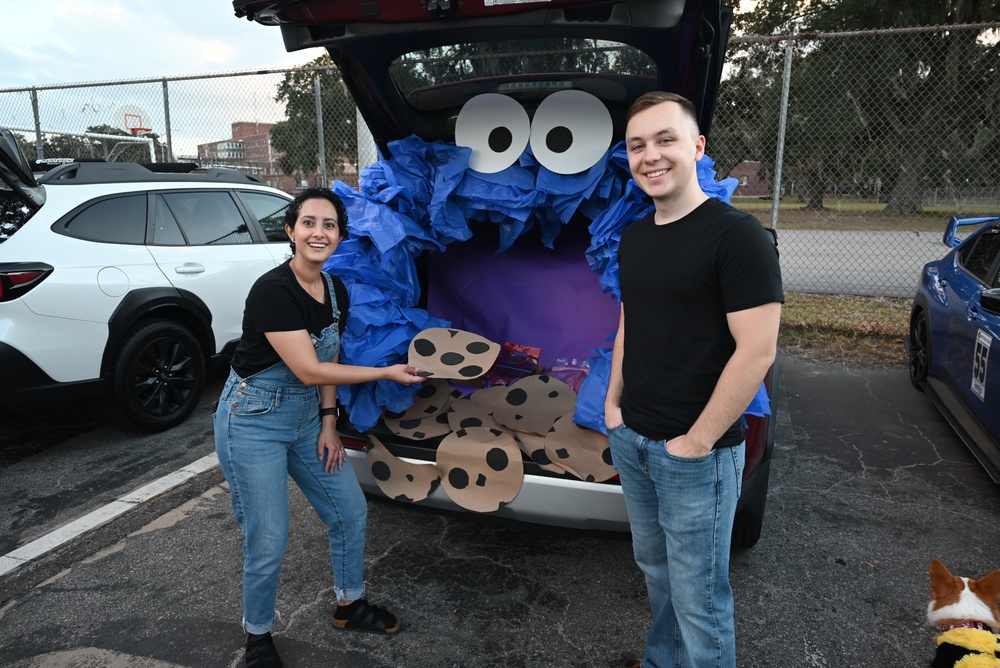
{"x": 295, "y": 207}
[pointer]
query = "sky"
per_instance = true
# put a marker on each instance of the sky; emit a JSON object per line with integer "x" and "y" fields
{"x": 74, "y": 41}
{"x": 53, "y": 42}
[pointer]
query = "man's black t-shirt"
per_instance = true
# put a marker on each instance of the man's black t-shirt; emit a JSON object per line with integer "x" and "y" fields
{"x": 277, "y": 303}
{"x": 678, "y": 282}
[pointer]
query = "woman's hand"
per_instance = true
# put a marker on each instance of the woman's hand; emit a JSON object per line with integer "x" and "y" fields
{"x": 330, "y": 449}
{"x": 403, "y": 373}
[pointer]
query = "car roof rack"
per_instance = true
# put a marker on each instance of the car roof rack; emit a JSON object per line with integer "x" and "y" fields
{"x": 90, "y": 172}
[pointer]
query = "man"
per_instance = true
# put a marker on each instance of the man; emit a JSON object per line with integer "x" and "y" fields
{"x": 701, "y": 302}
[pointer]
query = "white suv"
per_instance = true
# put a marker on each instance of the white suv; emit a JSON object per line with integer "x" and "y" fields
{"x": 120, "y": 281}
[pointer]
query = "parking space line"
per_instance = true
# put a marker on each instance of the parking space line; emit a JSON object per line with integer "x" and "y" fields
{"x": 104, "y": 514}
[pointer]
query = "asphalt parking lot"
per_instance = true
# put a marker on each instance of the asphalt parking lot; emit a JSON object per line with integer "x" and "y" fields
{"x": 868, "y": 484}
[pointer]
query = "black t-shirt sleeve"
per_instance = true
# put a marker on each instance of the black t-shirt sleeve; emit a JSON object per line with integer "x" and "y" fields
{"x": 272, "y": 307}
{"x": 749, "y": 271}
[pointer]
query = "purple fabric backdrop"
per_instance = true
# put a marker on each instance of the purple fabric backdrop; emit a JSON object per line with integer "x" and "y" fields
{"x": 529, "y": 294}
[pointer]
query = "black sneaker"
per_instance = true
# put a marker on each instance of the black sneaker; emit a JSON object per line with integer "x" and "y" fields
{"x": 261, "y": 652}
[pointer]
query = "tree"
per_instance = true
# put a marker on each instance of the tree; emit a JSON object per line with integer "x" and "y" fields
{"x": 745, "y": 124}
{"x": 917, "y": 96}
{"x": 297, "y": 136}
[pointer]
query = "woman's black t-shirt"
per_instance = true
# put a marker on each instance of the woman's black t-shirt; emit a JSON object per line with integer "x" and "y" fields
{"x": 277, "y": 303}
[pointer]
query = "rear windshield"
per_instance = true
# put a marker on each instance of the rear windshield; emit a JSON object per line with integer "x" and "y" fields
{"x": 526, "y": 66}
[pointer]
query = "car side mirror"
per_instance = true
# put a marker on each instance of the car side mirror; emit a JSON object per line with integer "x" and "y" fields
{"x": 990, "y": 300}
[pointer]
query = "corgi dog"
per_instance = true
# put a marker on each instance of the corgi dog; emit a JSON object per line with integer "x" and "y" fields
{"x": 965, "y": 611}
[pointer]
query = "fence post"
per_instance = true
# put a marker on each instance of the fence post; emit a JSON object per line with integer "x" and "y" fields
{"x": 39, "y": 152}
{"x": 169, "y": 157}
{"x": 782, "y": 121}
{"x": 319, "y": 130}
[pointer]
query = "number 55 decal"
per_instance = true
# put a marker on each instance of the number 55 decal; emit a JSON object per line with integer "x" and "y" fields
{"x": 980, "y": 357}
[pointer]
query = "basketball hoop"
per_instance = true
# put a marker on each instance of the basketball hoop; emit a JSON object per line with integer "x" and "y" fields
{"x": 133, "y": 124}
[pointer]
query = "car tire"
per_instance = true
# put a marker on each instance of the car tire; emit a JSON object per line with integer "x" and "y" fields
{"x": 158, "y": 376}
{"x": 919, "y": 349}
{"x": 749, "y": 520}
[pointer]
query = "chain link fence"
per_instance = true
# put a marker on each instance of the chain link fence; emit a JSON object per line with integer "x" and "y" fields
{"x": 262, "y": 123}
{"x": 856, "y": 146}
{"x": 859, "y": 146}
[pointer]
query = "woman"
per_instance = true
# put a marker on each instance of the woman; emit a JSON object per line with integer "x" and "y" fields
{"x": 273, "y": 422}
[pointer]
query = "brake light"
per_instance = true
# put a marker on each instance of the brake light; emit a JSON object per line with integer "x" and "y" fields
{"x": 354, "y": 443}
{"x": 18, "y": 278}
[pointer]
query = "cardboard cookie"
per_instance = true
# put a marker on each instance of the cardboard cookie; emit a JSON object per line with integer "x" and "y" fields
{"x": 420, "y": 429}
{"x": 481, "y": 468}
{"x": 533, "y": 446}
{"x": 475, "y": 410}
{"x": 397, "y": 479}
{"x": 533, "y": 404}
{"x": 431, "y": 398}
{"x": 583, "y": 452}
{"x": 451, "y": 353}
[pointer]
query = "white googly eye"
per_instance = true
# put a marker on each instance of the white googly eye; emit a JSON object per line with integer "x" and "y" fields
{"x": 570, "y": 132}
{"x": 496, "y": 128}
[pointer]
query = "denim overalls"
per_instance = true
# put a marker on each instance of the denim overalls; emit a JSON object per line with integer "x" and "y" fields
{"x": 267, "y": 428}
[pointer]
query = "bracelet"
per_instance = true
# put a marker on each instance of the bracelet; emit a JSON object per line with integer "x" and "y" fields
{"x": 335, "y": 411}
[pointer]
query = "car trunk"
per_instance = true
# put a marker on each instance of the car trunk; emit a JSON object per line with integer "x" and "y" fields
{"x": 541, "y": 290}
{"x": 686, "y": 39}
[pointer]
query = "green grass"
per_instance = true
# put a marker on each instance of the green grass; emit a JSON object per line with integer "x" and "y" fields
{"x": 853, "y": 213}
{"x": 845, "y": 328}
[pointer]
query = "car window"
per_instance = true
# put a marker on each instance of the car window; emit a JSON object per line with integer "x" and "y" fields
{"x": 208, "y": 218}
{"x": 166, "y": 231}
{"x": 531, "y": 68}
{"x": 269, "y": 211}
{"x": 979, "y": 256}
{"x": 116, "y": 220}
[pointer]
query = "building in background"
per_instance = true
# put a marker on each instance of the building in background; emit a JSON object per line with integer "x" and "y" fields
{"x": 753, "y": 179}
{"x": 248, "y": 150}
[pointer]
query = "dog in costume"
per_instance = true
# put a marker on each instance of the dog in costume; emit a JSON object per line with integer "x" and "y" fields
{"x": 966, "y": 613}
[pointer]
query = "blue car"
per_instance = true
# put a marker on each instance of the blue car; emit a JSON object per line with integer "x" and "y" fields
{"x": 954, "y": 354}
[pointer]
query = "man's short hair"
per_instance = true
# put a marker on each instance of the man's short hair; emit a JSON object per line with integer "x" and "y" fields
{"x": 656, "y": 97}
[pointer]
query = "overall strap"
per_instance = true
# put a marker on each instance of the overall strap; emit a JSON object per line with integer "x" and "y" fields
{"x": 333, "y": 299}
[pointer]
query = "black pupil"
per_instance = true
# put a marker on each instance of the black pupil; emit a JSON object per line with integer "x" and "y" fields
{"x": 500, "y": 139}
{"x": 559, "y": 139}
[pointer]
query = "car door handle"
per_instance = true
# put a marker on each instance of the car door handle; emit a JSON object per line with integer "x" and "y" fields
{"x": 973, "y": 313}
{"x": 190, "y": 268}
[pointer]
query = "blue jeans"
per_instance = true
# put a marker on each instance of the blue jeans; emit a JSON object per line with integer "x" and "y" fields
{"x": 265, "y": 430}
{"x": 681, "y": 511}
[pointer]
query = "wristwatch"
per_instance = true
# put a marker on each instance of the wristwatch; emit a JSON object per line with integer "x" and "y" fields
{"x": 335, "y": 411}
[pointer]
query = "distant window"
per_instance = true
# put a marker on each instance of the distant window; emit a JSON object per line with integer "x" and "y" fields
{"x": 979, "y": 257}
{"x": 744, "y": 180}
{"x": 208, "y": 218}
{"x": 116, "y": 220}
{"x": 269, "y": 210}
